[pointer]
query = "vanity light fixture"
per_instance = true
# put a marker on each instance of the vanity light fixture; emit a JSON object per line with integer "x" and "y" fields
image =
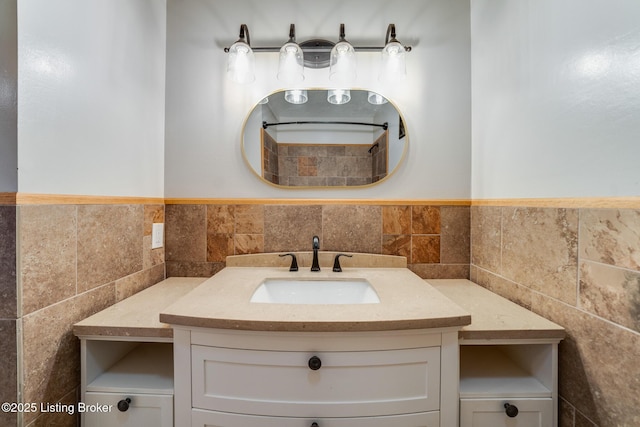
{"x": 343, "y": 61}
{"x": 340, "y": 57}
{"x": 241, "y": 63}
{"x": 393, "y": 64}
{"x": 290, "y": 66}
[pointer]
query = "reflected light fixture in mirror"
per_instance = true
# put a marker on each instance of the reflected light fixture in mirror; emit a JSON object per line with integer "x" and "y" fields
{"x": 290, "y": 65}
{"x": 376, "y": 99}
{"x": 393, "y": 61}
{"x": 241, "y": 62}
{"x": 296, "y": 96}
{"x": 342, "y": 65}
{"x": 338, "y": 96}
{"x": 351, "y": 145}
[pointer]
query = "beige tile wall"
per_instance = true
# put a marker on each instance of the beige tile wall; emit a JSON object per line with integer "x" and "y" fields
{"x": 581, "y": 269}
{"x": 74, "y": 260}
{"x": 8, "y": 312}
{"x": 325, "y": 165}
{"x": 435, "y": 239}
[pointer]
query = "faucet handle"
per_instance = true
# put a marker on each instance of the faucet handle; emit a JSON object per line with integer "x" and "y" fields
{"x": 336, "y": 262}
{"x": 294, "y": 261}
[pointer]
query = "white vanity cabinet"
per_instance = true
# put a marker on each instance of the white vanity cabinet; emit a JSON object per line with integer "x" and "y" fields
{"x": 297, "y": 379}
{"x": 127, "y": 358}
{"x": 513, "y": 383}
{"x": 508, "y": 360}
{"x": 126, "y": 383}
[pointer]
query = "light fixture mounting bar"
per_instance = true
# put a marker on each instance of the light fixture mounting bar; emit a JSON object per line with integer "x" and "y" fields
{"x": 319, "y": 49}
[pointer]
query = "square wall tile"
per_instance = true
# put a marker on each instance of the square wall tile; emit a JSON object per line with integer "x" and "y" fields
{"x": 47, "y": 255}
{"x": 249, "y": 219}
{"x": 455, "y": 234}
{"x": 8, "y": 285}
{"x": 352, "y": 228}
{"x": 425, "y": 249}
{"x": 486, "y": 237}
{"x": 219, "y": 247}
{"x": 109, "y": 243}
{"x": 611, "y": 236}
{"x": 153, "y": 214}
{"x": 186, "y": 233}
{"x": 221, "y": 219}
{"x": 248, "y": 244}
{"x": 399, "y": 245}
{"x": 540, "y": 250}
{"x": 291, "y": 227}
{"x": 8, "y": 367}
{"x": 396, "y": 219}
{"x": 611, "y": 292}
{"x": 425, "y": 220}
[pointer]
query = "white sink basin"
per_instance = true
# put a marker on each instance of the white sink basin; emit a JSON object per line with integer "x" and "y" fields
{"x": 315, "y": 291}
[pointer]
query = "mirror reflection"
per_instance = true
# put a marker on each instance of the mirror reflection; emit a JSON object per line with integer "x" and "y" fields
{"x": 324, "y": 138}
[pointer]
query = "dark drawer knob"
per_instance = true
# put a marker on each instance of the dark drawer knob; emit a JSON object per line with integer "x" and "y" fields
{"x": 123, "y": 405}
{"x": 315, "y": 363}
{"x": 511, "y": 410}
{"x": 314, "y": 424}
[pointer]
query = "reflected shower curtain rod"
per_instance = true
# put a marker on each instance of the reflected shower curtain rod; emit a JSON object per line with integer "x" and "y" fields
{"x": 384, "y": 125}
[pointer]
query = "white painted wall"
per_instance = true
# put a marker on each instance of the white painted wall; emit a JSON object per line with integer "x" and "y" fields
{"x": 91, "y": 97}
{"x": 556, "y": 98}
{"x": 205, "y": 111}
{"x": 8, "y": 96}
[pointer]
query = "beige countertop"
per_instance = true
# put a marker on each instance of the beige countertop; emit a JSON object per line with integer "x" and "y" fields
{"x": 495, "y": 317}
{"x": 137, "y": 316}
{"x": 492, "y": 316}
{"x": 406, "y": 302}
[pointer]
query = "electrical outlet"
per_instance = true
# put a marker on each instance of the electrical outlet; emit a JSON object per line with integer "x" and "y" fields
{"x": 157, "y": 235}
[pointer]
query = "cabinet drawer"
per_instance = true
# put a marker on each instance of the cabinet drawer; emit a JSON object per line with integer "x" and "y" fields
{"x": 217, "y": 419}
{"x": 491, "y": 413}
{"x": 348, "y": 384}
{"x": 145, "y": 410}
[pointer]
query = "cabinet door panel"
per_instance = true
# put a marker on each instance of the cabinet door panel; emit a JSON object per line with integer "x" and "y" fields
{"x": 491, "y": 413}
{"x": 145, "y": 410}
{"x": 217, "y": 419}
{"x": 347, "y": 384}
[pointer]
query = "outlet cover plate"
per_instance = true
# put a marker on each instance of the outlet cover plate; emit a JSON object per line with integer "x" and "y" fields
{"x": 157, "y": 236}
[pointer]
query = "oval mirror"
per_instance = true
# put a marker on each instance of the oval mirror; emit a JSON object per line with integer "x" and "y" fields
{"x": 324, "y": 138}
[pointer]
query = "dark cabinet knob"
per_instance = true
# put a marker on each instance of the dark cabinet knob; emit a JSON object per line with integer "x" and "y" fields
{"x": 315, "y": 363}
{"x": 314, "y": 424}
{"x": 510, "y": 410}
{"x": 123, "y": 405}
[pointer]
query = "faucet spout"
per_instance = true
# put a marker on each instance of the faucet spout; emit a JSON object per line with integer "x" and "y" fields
{"x": 315, "y": 266}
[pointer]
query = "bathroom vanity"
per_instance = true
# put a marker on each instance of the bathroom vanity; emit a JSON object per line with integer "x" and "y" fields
{"x": 242, "y": 363}
{"x": 217, "y": 359}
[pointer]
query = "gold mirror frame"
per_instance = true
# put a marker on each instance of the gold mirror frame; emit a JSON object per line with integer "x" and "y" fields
{"x": 348, "y": 158}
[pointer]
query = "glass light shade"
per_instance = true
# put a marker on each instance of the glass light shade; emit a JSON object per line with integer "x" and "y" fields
{"x": 393, "y": 64}
{"x": 241, "y": 63}
{"x": 291, "y": 66}
{"x": 376, "y": 98}
{"x": 296, "y": 96}
{"x": 342, "y": 63}
{"x": 338, "y": 96}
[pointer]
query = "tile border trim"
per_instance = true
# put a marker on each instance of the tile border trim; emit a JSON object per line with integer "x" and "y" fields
{"x": 377, "y": 202}
{"x": 72, "y": 199}
{"x": 9, "y": 198}
{"x": 564, "y": 202}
